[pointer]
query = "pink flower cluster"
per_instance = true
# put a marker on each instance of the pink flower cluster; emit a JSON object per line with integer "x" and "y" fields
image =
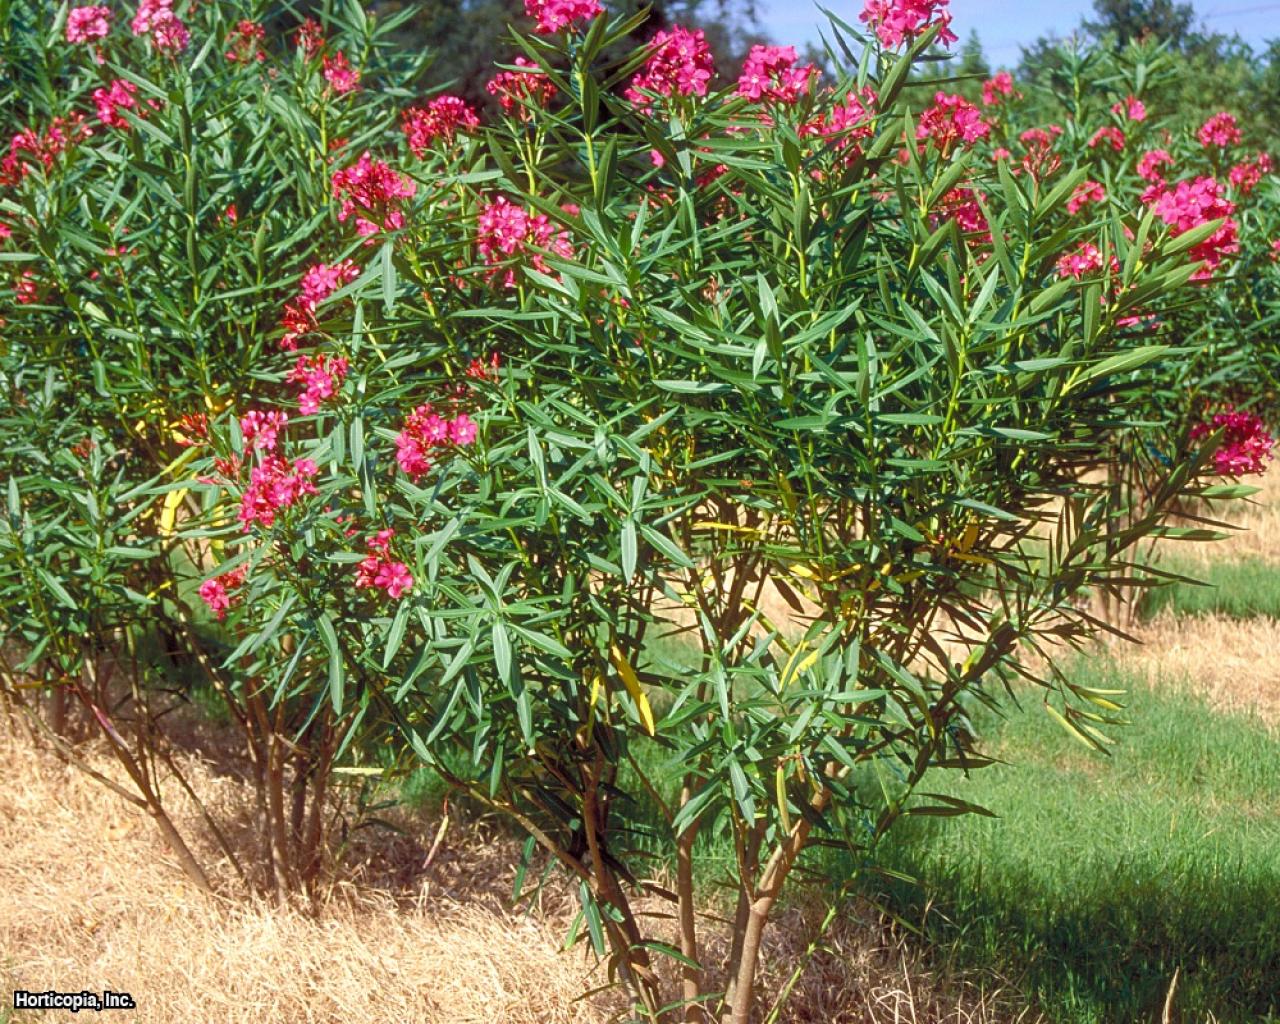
{"x": 553, "y": 15}
{"x": 216, "y": 592}
{"x": 275, "y": 483}
{"x": 996, "y": 88}
{"x": 1086, "y": 192}
{"x": 1131, "y": 107}
{"x": 514, "y": 89}
{"x": 1081, "y": 261}
{"x": 951, "y": 118}
{"x": 424, "y": 432}
{"x": 442, "y": 118}
{"x": 261, "y": 430}
{"x": 1111, "y": 135}
{"x": 505, "y": 230}
{"x": 1247, "y": 175}
{"x": 309, "y": 38}
{"x": 1040, "y": 160}
{"x": 156, "y": 18}
{"x": 961, "y": 205}
{"x": 1246, "y": 443}
{"x": 899, "y": 21}
{"x": 848, "y": 122}
{"x": 28, "y": 145}
{"x": 319, "y": 282}
{"x": 1192, "y": 203}
{"x": 1149, "y": 165}
{"x": 379, "y": 569}
{"x": 680, "y": 62}
{"x": 320, "y": 377}
{"x": 245, "y": 42}
{"x": 85, "y": 24}
{"x": 339, "y": 73}
{"x": 1219, "y": 130}
{"x": 373, "y": 193}
{"x": 770, "y": 73}
{"x": 116, "y": 97}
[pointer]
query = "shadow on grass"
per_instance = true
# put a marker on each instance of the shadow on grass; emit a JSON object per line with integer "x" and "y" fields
{"x": 1102, "y": 876}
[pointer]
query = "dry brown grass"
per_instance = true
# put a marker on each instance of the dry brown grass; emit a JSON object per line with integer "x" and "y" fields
{"x": 1233, "y": 663}
{"x": 91, "y": 898}
{"x": 1258, "y": 536}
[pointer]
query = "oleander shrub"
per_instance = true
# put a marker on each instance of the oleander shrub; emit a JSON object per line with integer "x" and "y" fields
{"x": 461, "y": 422}
{"x": 165, "y": 187}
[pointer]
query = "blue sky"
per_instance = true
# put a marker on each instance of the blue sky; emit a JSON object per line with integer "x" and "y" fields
{"x": 1004, "y": 24}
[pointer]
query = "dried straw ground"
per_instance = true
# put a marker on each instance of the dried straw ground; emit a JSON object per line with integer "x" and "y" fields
{"x": 91, "y": 898}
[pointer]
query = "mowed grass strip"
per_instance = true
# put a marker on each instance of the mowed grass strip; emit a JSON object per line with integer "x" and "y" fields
{"x": 1102, "y": 875}
{"x": 1242, "y": 589}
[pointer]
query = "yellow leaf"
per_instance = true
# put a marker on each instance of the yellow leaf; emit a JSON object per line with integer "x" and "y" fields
{"x": 805, "y": 664}
{"x": 169, "y": 514}
{"x": 780, "y": 784}
{"x": 597, "y": 684}
{"x": 632, "y": 683}
{"x": 969, "y": 536}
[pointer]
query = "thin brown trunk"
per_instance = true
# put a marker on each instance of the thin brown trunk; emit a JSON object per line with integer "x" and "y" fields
{"x": 691, "y": 975}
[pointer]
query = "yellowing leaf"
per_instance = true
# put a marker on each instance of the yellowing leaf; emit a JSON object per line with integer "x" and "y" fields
{"x": 597, "y": 684}
{"x": 632, "y": 683}
{"x": 800, "y": 669}
{"x": 169, "y": 514}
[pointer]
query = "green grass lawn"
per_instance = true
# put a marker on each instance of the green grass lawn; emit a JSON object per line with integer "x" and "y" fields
{"x": 1240, "y": 589}
{"x": 1102, "y": 875}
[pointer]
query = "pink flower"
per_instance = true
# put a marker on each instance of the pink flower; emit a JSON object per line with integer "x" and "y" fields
{"x": 372, "y": 192}
{"x": 961, "y": 205}
{"x": 441, "y": 118}
{"x": 514, "y": 89}
{"x": 1111, "y": 135}
{"x": 1275, "y": 249}
{"x": 320, "y": 377}
{"x": 1085, "y": 193}
{"x": 1080, "y": 262}
{"x": 769, "y": 72}
{"x": 1130, "y": 107}
{"x": 1246, "y": 176}
{"x": 309, "y": 37}
{"x": 1192, "y": 203}
{"x": 88, "y": 23}
{"x": 61, "y": 133}
{"x": 899, "y": 21}
{"x": 149, "y": 14}
{"x": 25, "y": 289}
{"x": 244, "y": 42}
{"x": 318, "y": 282}
{"x": 950, "y": 118}
{"x": 275, "y": 484}
{"x": 110, "y": 101}
{"x": 1219, "y": 130}
{"x": 847, "y": 122}
{"x": 996, "y": 88}
{"x": 1149, "y": 165}
{"x": 260, "y": 429}
{"x": 156, "y": 18}
{"x": 216, "y": 591}
{"x": 1246, "y": 445}
{"x": 340, "y": 74}
{"x": 378, "y": 569}
{"x": 462, "y": 430}
{"x": 553, "y": 15}
{"x": 505, "y": 231}
{"x": 680, "y": 62}
{"x": 424, "y": 431}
